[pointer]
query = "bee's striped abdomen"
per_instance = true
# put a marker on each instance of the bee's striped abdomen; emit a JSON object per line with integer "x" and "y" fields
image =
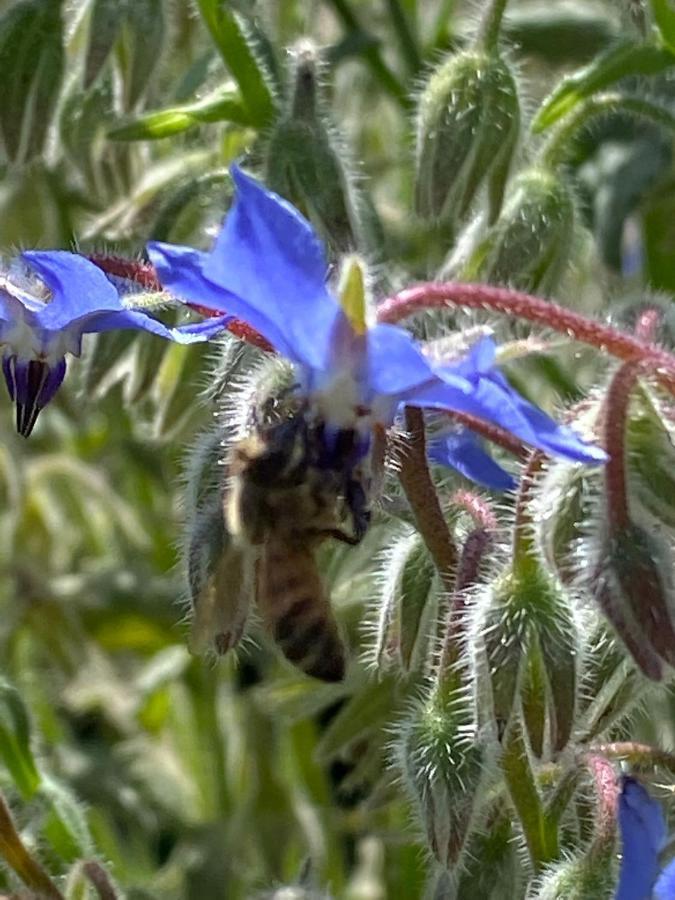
{"x": 297, "y": 611}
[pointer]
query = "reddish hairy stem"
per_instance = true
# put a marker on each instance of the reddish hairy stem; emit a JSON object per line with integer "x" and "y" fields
{"x": 477, "y": 507}
{"x": 522, "y": 540}
{"x": 607, "y": 792}
{"x": 421, "y": 493}
{"x": 475, "y": 547}
{"x": 434, "y": 295}
{"x": 647, "y": 324}
{"x": 638, "y": 755}
{"x": 492, "y": 433}
{"x": 144, "y": 274}
{"x": 617, "y": 402}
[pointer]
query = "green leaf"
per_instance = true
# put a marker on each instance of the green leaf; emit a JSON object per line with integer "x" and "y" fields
{"x": 144, "y": 38}
{"x": 104, "y": 26}
{"x": 416, "y": 590}
{"x": 106, "y": 361}
{"x": 369, "y": 709}
{"x": 620, "y": 61}
{"x": 15, "y": 736}
{"x": 65, "y": 826}
{"x": 558, "y": 32}
{"x": 31, "y": 60}
{"x": 659, "y": 234}
{"x": 232, "y": 42}
{"x": 664, "y": 16}
{"x": 223, "y": 105}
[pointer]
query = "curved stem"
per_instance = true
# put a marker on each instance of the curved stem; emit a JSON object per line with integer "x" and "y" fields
{"x": 491, "y": 25}
{"x": 523, "y": 533}
{"x": 559, "y": 146}
{"x": 435, "y": 295}
{"x": 617, "y": 402}
{"x": 492, "y": 433}
{"x": 607, "y": 793}
{"x": 421, "y": 493}
{"x": 144, "y": 275}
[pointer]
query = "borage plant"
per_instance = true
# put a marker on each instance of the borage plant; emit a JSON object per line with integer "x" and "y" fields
{"x": 474, "y": 597}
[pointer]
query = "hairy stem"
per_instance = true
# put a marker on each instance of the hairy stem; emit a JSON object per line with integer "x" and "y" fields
{"x": 492, "y": 433}
{"x": 491, "y": 24}
{"x": 617, "y": 402}
{"x": 20, "y": 860}
{"x": 561, "y": 144}
{"x": 421, "y": 493}
{"x": 607, "y": 792}
{"x": 640, "y": 756}
{"x": 523, "y": 531}
{"x": 145, "y": 276}
{"x": 371, "y": 54}
{"x": 406, "y": 38}
{"x": 435, "y": 295}
{"x": 541, "y": 838}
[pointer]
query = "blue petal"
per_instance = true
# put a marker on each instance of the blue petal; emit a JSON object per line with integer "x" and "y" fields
{"x": 280, "y": 269}
{"x": 183, "y": 334}
{"x": 395, "y": 364}
{"x": 269, "y": 258}
{"x": 463, "y": 452}
{"x": 664, "y": 889}
{"x": 79, "y": 288}
{"x": 643, "y": 833}
{"x": 180, "y": 270}
{"x": 494, "y": 400}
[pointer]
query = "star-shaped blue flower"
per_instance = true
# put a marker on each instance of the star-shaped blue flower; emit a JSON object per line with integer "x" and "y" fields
{"x": 46, "y": 308}
{"x": 268, "y": 268}
{"x": 643, "y": 837}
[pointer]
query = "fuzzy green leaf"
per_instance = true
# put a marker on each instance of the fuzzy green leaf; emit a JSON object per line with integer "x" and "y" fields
{"x": 15, "y": 740}
{"x": 31, "y": 60}
{"x": 618, "y": 62}
{"x": 229, "y": 36}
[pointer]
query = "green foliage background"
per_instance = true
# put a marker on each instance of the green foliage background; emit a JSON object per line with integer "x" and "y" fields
{"x": 188, "y": 779}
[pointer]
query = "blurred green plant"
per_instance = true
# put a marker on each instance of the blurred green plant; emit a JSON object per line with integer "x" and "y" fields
{"x": 499, "y": 698}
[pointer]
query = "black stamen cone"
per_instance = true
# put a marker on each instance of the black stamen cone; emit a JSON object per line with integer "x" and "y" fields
{"x": 28, "y": 400}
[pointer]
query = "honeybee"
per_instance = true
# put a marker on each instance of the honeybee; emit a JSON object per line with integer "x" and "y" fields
{"x": 290, "y": 488}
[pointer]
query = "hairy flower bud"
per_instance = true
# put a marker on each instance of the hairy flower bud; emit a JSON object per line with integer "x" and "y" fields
{"x": 446, "y": 768}
{"x": 651, "y": 456}
{"x": 577, "y": 879}
{"x": 468, "y": 125}
{"x": 305, "y": 161}
{"x": 633, "y": 584}
{"x": 532, "y": 242}
{"x": 527, "y": 615}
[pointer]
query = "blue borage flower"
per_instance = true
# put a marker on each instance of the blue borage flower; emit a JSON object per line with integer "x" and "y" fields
{"x": 643, "y": 838}
{"x": 268, "y": 268}
{"x": 45, "y": 309}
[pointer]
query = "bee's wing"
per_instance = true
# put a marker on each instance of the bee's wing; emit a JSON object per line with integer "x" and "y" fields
{"x": 221, "y": 608}
{"x": 220, "y": 577}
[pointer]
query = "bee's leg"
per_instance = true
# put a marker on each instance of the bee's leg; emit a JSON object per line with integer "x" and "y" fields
{"x": 357, "y": 504}
{"x": 337, "y": 533}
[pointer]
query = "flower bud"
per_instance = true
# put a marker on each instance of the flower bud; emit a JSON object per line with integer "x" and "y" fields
{"x": 304, "y": 160}
{"x": 528, "y": 614}
{"x": 446, "y": 768}
{"x": 491, "y": 867}
{"x": 634, "y": 586}
{"x": 577, "y": 879}
{"x": 564, "y": 509}
{"x": 531, "y": 244}
{"x": 651, "y": 457}
{"x": 468, "y": 125}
